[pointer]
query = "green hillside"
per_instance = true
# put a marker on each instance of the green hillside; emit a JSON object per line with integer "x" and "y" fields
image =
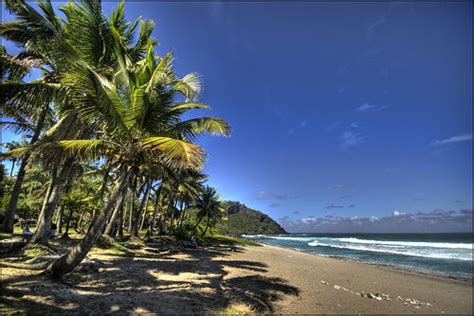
{"x": 244, "y": 220}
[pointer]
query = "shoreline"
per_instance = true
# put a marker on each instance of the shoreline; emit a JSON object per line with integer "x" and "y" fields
{"x": 332, "y": 285}
{"x": 381, "y": 265}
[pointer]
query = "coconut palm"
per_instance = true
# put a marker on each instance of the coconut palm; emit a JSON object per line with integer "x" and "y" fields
{"x": 24, "y": 118}
{"x": 208, "y": 206}
{"x": 58, "y": 44}
{"x": 139, "y": 110}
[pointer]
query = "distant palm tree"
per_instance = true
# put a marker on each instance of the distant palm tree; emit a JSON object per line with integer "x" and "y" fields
{"x": 208, "y": 206}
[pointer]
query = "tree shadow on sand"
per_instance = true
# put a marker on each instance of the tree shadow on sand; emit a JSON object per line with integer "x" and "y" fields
{"x": 173, "y": 281}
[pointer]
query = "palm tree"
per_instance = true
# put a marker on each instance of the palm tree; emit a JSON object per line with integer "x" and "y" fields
{"x": 139, "y": 114}
{"x": 27, "y": 116}
{"x": 208, "y": 206}
{"x": 57, "y": 43}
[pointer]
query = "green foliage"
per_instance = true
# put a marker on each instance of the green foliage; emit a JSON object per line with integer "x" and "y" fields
{"x": 244, "y": 220}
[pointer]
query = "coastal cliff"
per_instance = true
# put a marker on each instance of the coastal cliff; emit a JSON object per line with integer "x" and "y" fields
{"x": 244, "y": 220}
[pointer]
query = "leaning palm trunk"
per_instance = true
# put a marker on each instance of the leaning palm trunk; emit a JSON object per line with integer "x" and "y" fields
{"x": 207, "y": 226}
{"x": 105, "y": 179}
{"x": 57, "y": 187}
{"x": 138, "y": 215}
{"x": 117, "y": 209}
{"x": 145, "y": 212}
{"x": 13, "y": 167}
{"x": 10, "y": 212}
{"x": 67, "y": 262}
{"x": 198, "y": 222}
{"x": 66, "y": 232}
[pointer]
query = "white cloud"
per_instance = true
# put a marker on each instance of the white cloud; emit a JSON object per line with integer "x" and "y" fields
{"x": 397, "y": 213}
{"x": 454, "y": 139}
{"x": 370, "y": 107}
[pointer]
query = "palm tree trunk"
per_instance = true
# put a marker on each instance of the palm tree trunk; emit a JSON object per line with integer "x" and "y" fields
{"x": 120, "y": 220}
{"x": 7, "y": 226}
{"x": 41, "y": 235}
{"x": 198, "y": 222}
{"x": 74, "y": 256}
{"x": 66, "y": 231}
{"x": 145, "y": 212}
{"x": 59, "y": 221}
{"x": 138, "y": 214}
{"x": 207, "y": 226}
{"x": 105, "y": 179}
{"x": 149, "y": 233}
{"x": 116, "y": 211}
{"x": 132, "y": 205}
{"x": 79, "y": 227}
{"x": 13, "y": 167}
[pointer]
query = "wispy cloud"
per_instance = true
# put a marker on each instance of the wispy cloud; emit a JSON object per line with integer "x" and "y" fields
{"x": 333, "y": 206}
{"x": 378, "y": 23}
{"x": 370, "y": 107}
{"x": 265, "y": 195}
{"x": 345, "y": 197}
{"x": 350, "y": 139}
{"x": 454, "y": 139}
{"x": 275, "y": 205}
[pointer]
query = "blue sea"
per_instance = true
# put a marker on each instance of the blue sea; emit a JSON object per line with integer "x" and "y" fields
{"x": 440, "y": 254}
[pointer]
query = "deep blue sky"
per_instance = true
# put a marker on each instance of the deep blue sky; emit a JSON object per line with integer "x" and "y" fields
{"x": 342, "y": 109}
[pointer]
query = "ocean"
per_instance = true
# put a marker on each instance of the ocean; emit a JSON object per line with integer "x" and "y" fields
{"x": 440, "y": 254}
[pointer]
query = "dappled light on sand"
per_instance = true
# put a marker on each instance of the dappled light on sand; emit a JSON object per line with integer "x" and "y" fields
{"x": 185, "y": 281}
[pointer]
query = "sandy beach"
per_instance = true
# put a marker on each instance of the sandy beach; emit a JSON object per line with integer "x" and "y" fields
{"x": 234, "y": 280}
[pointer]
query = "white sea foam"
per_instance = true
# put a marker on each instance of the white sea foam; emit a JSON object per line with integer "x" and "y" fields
{"x": 303, "y": 239}
{"x": 444, "y": 245}
{"x": 426, "y": 253}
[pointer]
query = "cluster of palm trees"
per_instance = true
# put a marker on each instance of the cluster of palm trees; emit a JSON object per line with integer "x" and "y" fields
{"x": 105, "y": 124}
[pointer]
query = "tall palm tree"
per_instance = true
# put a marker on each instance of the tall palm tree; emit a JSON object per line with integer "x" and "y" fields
{"x": 58, "y": 44}
{"x": 140, "y": 116}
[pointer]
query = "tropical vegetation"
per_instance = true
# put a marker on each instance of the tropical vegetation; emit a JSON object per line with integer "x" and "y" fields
{"x": 107, "y": 143}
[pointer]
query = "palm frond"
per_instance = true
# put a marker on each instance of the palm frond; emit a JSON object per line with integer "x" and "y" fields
{"x": 180, "y": 108}
{"x": 95, "y": 97}
{"x": 27, "y": 96}
{"x": 210, "y": 125}
{"x": 144, "y": 40}
{"x": 190, "y": 86}
{"x": 86, "y": 148}
{"x": 175, "y": 153}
